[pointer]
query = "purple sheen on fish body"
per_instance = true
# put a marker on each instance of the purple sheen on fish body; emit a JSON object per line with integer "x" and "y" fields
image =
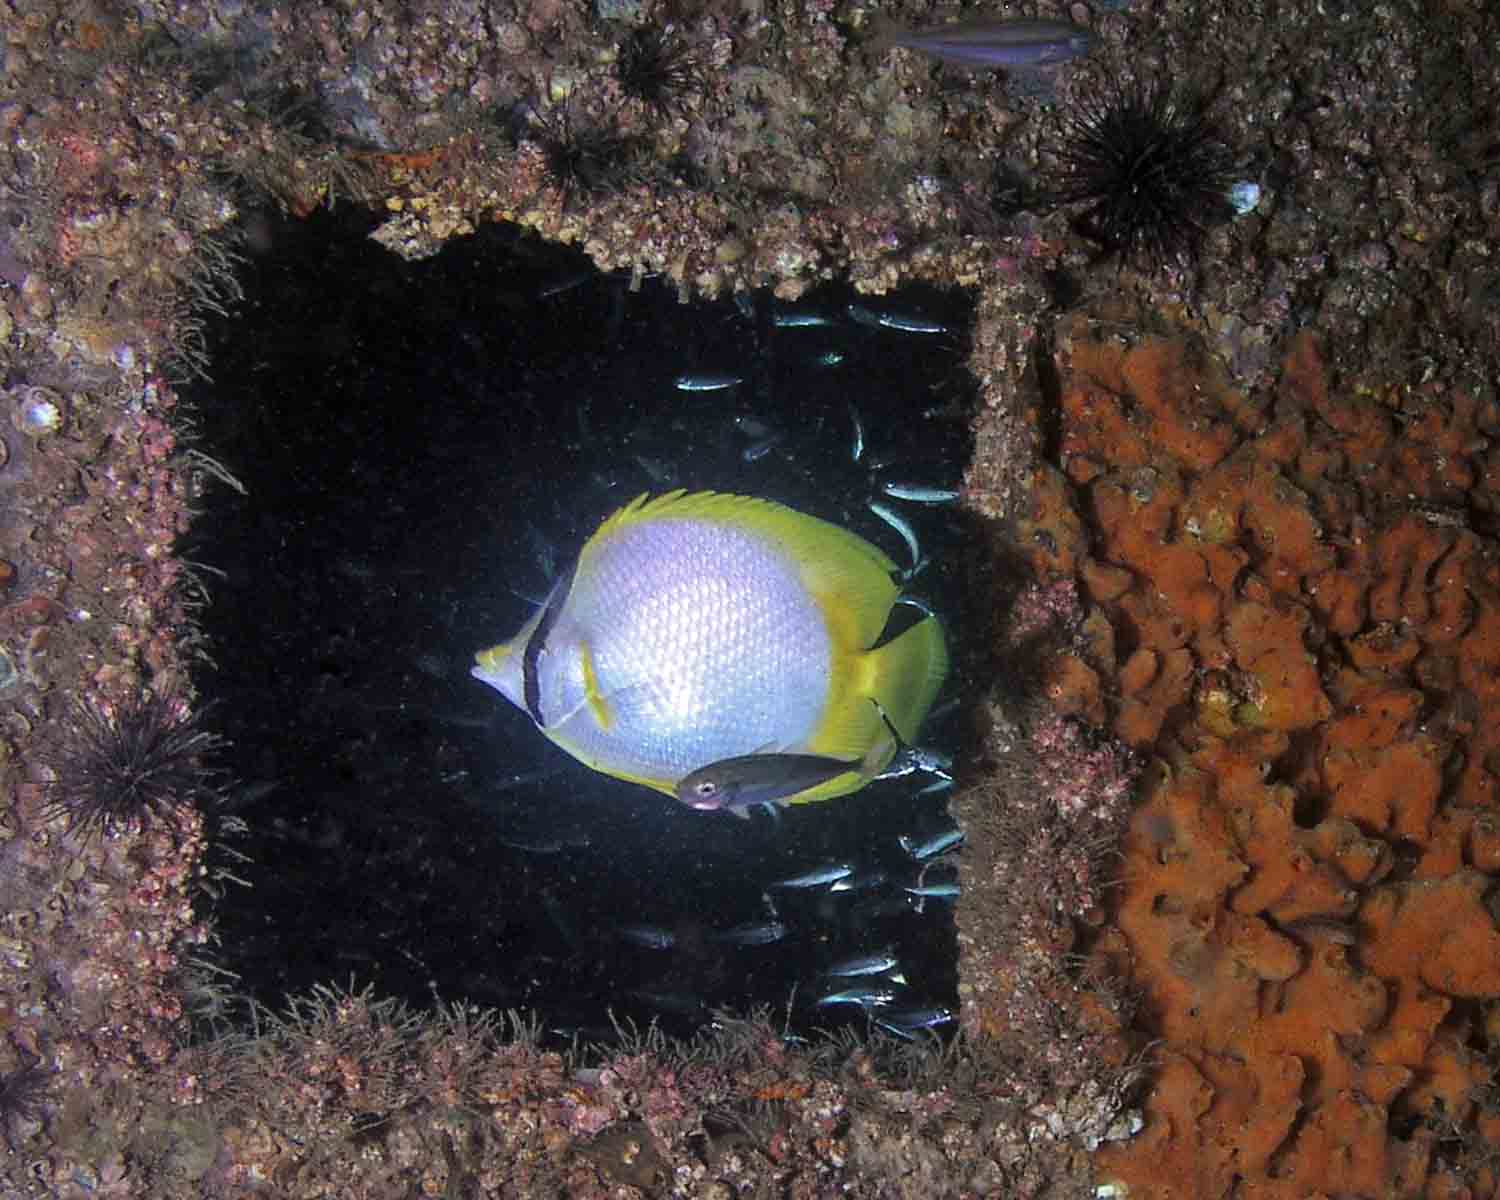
{"x": 988, "y": 44}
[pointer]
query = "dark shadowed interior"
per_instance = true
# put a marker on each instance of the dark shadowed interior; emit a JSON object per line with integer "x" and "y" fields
{"x": 423, "y": 447}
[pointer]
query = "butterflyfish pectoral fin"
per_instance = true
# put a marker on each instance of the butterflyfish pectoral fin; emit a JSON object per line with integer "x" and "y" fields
{"x": 599, "y": 706}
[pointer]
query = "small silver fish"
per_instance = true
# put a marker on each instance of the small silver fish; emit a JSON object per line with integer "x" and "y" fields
{"x": 799, "y": 318}
{"x": 857, "y": 447}
{"x": 936, "y": 844}
{"x": 901, "y": 526}
{"x": 907, "y": 1022}
{"x": 934, "y": 891}
{"x": 919, "y": 493}
{"x": 651, "y": 937}
{"x": 757, "y": 450}
{"x": 817, "y": 877}
{"x": 864, "y": 882}
{"x": 900, "y": 322}
{"x": 876, "y": 963}
{"x": 706, "y": 381}
{"x": 567, "y": 283}
{"x": 755, "y": 933}
{"x": 865, "y": 997}
{"x": 911, "y": 759}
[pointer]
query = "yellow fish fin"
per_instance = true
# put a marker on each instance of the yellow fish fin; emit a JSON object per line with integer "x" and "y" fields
{"x": 598, "y": 705}
{"x": 875, "y": 760}
{"x": 839, "y": 785}
{"x": 907, "y": 673}
{"x": 492, "y": 658}
{"x": 622, "y": 518}
{"x": 903, "y": 675}
{"x": 850, "y": 723}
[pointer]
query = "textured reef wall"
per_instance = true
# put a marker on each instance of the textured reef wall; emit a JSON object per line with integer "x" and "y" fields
{"x": 1302, "y": 611}
{"x": 1274, "y": 584}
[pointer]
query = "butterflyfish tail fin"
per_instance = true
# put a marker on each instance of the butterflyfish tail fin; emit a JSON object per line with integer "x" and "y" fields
{"x": 906, "y": 674}
{"x": 902, "y": 677}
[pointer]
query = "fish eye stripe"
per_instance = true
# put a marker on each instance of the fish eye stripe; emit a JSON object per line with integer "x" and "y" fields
{"x": 530, "y": 679}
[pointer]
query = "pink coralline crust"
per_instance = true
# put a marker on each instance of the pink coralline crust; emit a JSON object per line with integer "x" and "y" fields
{"x": 1078, "y": 778}
{"x": 641, "y": 1084}
{"x": 1039, "y": 837}
{"x": 584, "y": 1120}
{"x": 1044, "y": 606}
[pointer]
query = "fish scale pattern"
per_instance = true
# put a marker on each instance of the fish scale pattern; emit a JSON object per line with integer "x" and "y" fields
{"x": 705, "y": 644}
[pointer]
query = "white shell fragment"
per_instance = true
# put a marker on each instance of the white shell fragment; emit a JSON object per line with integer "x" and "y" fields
{"x": 39, "y": 411}
{"x": 1244, "y": 196}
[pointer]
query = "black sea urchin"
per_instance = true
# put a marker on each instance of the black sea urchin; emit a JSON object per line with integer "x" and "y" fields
{"x": 585, "y": 160}
{"x": 22, "y": 1092}
{"x": 1151, "y": 169}
{"x": 656, "y": 67}
{"x": 146, "y": 757}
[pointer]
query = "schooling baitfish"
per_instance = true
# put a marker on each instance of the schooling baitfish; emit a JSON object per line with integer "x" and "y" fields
{"x": 699, "y": 627}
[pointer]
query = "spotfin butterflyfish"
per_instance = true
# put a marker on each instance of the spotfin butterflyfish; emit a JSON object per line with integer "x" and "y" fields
{"x": 699, "y": 627}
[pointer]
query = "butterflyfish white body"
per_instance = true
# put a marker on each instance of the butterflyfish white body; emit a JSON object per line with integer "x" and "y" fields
{"x": 699, "y": 627}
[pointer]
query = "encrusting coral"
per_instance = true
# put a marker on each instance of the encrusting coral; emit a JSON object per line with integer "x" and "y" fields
{"x": 1303, "y": 611}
